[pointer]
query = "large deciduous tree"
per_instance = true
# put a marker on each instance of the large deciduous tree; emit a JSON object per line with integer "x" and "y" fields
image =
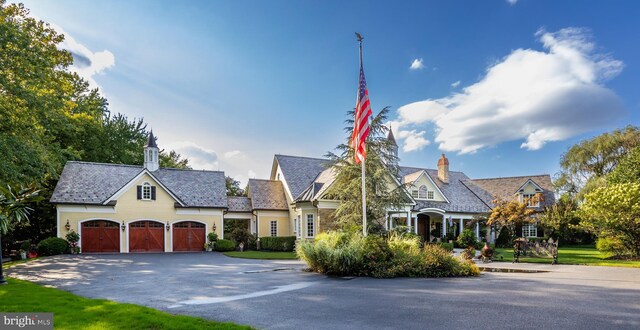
{"x": 233, "y": 187}
{"x": 613, "y": 212}
{"x": 383, "y": 190}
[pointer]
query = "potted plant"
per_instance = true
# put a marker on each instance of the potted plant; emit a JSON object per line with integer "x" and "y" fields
{"x": 486, "y": 252}
{"x": 73, "y": 238}
{"x": 212, "y": 237}
{"x": 24, "y": 248}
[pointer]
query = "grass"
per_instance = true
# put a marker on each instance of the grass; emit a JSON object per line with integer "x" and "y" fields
{"x": 572, "y": 255}
{"x": 74, "y": 312}
{"x": 262, "y": 255}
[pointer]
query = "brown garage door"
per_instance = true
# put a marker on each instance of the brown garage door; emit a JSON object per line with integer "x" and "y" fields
{"x": 146, "y": 236}
{"x": 100, "y": 236}
{"x": 188, "y": 236}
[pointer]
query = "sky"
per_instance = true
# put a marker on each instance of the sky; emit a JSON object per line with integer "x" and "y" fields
{"x": 502, "y": 87}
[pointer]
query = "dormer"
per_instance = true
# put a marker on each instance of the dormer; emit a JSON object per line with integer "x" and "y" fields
{"x": 530, "y": 193}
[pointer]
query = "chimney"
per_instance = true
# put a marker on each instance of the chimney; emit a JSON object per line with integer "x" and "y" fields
{"x": 443, "y": 169}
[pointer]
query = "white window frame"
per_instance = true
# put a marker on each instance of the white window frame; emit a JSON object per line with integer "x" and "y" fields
{"x": 528, "y": 199}
{"x": 146, "y": 191}
{"x": 431, "y": 194}
{"x": 273, "y": 228}
{"x": 414, "y": 193}
{"x": 529, "y": 228}
{"x": 311, "y": 221}
{"x": 423, "y": 192}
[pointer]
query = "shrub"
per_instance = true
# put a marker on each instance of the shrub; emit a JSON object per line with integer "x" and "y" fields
{"x": 285, "y": 243}
{"x": 611, "y": 245}
{"x": 52, "y": 246}
{"x": 225, "y": 245}
{"x": 445, "y": 246}
{"x": 467, "y": 238}
{"x": 212, "y": 237}
{"x": 505, "y": 238}
{"x": 26, "y": 246}
{"x": 339, "y": 253}
{"x": 468, "y": 253}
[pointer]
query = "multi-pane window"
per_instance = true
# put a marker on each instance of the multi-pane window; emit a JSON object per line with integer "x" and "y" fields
{"x": 430, "y": 194}
{"x": 531, "y": 200}
{"x": 310, "y": 226}
{"x": 414, "y": 193}
{"x": 422, "y": 192}
{"x": 529, "y": 230}
{"x": 146, "y": 191}
{"x": 274, "y": 228}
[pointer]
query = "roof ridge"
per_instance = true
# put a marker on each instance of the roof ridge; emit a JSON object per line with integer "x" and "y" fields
{"x": 512, "y": 177}
{"x": 426, "y": 169}
{"x": 314, "y": 158}
{"x": 267, "y": 180}
{"x": 98, "y": 163}
{"x": 187, "y": 169}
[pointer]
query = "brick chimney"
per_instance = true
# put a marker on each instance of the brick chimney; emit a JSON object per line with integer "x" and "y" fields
{"x": 443, "y": 169}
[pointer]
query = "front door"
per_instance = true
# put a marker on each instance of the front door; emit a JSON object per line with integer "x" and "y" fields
{"x": 146, "y": 236}
{"x": 423, "y": 226}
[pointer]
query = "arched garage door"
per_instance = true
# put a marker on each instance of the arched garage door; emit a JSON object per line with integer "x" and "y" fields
{"x": 146, "y": 236}
{"x": 188, "y": 236}
{"x": 100, "y": 236}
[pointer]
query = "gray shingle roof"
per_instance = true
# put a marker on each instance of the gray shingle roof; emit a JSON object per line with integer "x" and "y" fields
{"x": 507, "y": 187}
{"x": 95, "y": 183}
{"x": 461, "y": 199}
{"x": 300, "y": 172}
{"x": 267, "y": 195}
{"x": 239, "y": 204}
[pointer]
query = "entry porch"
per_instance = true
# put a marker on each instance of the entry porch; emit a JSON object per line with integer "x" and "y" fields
{"x": 431, "y": 224}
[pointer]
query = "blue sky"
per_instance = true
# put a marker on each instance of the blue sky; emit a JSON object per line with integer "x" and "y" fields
{"x": 501, "y": 87}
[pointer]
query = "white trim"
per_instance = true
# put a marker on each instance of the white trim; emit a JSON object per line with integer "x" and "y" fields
{"x": 58, "y": 229}
{"x": 432, "y": 182}
{"x": 105, "y": 219}
{"x": 86, "y": 209}
{"x": 221, "y": 229}
{"x": 146, "y": 185}
{"x": 433, "y": 210}
{"x": 328, "y": 204}
{"x": 306, "y": 225}
{"x": 538, "y": 188}
{"x": 271, "y": 222}
{"x": 133, "y": 182}
{"x": 146, "y": 219}
{"x": 206, "y": 230}
{"x": 200, "y": 211}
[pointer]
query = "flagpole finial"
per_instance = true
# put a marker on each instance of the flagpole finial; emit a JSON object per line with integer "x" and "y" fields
{"x": 359, "y": 37}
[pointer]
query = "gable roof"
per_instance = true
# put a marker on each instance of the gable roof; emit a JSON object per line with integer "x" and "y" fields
{"x": 96, "y": 183}
{"x": 319, "y": 186}
{"x": 507, "y": 187}
{"x": 300, "y": 172}
{"x": 267, "y": 195}
{"x": 413, "y": 177}
{"x": 461, "y": 199}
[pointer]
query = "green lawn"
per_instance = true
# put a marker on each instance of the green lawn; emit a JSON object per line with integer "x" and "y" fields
{"x": 74, "y": 312}
{"x": 572, "y": 255}
{"x": 261, "y": 255}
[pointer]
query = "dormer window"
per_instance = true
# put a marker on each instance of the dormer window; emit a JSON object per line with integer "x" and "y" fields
{"x": 530, "y": 199}
{"x": 146, "y": 192}
{"x": 423, "y": 193}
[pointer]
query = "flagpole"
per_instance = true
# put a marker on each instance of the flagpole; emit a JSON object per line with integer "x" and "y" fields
{"x": 364, "y": 190}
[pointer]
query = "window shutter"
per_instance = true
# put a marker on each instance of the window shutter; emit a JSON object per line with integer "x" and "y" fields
{"x": 139, "y": 192}
{"x": 153, "y": 193}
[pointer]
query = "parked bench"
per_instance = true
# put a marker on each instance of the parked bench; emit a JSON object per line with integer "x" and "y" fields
{"x": 524, "y": 247}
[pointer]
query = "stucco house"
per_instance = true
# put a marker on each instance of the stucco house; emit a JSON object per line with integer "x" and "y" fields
{"x": 124, "y": 208}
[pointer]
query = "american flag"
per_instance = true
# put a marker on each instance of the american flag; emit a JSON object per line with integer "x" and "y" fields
{"x": 361, "y": 123}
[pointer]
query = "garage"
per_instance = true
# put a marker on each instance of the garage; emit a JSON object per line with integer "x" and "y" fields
{"x": 100, "y": 236}
{"x": 146, "y": 236}
{"x": 188, "y": 236}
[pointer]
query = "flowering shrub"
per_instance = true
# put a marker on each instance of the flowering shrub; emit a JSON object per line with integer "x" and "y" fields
{"x": 340, "y": 253}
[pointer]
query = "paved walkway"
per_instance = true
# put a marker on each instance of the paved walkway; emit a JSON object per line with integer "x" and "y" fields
{"x": 278, "y": 295}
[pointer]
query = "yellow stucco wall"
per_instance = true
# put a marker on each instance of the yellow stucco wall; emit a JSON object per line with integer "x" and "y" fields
{"x": 129, "y": 209}
{"x": 264, "y": 223}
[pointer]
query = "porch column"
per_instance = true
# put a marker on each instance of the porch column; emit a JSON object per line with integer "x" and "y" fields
{"x": 444, "y": 226}
{"x": 386, "y": 221}
{"x": 461, "y": 226}
{"x": 409, "y": 221}
{"x": 415, "y": 228}
{"x": 478, "y": 231}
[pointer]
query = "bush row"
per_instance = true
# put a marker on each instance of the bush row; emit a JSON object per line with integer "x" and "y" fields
{"x": 285, "y": 243}
{"x": 340, "y": 253}
{"x": 223, "y": 245}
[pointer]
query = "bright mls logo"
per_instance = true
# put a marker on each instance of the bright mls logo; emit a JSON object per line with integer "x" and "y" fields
{"x": 27, "y": 320}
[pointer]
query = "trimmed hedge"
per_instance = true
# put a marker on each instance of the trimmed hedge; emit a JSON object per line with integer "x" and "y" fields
{"x": 285, "y": 243}
{"x": 52, "y": 246}
{"x": 223, "y": 245}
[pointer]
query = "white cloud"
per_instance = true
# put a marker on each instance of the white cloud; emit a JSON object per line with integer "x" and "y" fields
{"x": 413, "y": 140}
{"x": 232, "y": 154}
{"x": 417, "y": 64}
{"x": 455, "y": 84}
{"x": 200, "y": 158}
{"x": 537, "y": 96}
{"x": 86, "y": 63}
{"x": 512, "y": 2}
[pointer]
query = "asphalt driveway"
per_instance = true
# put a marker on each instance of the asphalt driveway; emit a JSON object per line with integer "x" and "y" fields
{"x": 279, "y": 295}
